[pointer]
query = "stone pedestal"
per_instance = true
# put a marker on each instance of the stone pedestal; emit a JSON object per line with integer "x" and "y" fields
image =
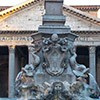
{"x": 54, "y": 20}
{"x": 55, "y": 41}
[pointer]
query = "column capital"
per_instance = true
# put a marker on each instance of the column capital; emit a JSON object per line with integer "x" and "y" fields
{"x": 92, "y": 49}
{"x": 11, "y": 48}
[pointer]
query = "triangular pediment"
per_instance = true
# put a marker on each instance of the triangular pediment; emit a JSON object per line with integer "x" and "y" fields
{"x": 29, "y": 18}
{"x": 26, "y": 19}
{"x": 80, "y": 21}
{"x": 77, "y": 23}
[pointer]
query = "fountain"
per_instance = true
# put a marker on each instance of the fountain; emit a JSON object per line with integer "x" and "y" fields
{"x": 54, "y": 73}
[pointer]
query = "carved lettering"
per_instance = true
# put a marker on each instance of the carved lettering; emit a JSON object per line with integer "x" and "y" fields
{"x": 85, "y": 39}
{"x": 22, "y": 38}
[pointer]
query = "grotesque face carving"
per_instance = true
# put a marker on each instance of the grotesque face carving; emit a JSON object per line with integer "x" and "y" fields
{"x": 29, "y": 70}
{"x": 57, "y": 86}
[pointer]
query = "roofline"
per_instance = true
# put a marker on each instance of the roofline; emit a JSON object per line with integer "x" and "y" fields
{"x": 69, "y": 9}
{"x": 17, "y": 32}
{"x": 18, "y": 7}
{"x": 86, "y": 32}
{"x": 87, "y": 7}
{"x": 81, "y": 14}
{"x": 4, "y": 8}
{"x": 36, "y": 32}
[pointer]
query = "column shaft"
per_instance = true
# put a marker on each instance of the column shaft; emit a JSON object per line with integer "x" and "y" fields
{"x": 92, "y": 65}
{"x": 11, "y": 71}
{"x": 30, "y": 58}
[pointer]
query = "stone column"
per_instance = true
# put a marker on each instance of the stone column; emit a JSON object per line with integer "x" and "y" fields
{"x": 30, "y": 50}
{"x": 92, "y": 65}
{"x": 17, "y": 67}
{"x": 11, "y": 71}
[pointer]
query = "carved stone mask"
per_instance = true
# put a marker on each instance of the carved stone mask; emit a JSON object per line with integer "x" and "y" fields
{"x": 57, "y": 86}
{"x": 29, "y": 70}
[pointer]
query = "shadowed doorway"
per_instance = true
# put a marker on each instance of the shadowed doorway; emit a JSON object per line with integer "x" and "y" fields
{"x": 98, "y": 65}
{"x": 83, "y": 56}
{"x": 21, "y": 58}
{"x": 4, "y": 71}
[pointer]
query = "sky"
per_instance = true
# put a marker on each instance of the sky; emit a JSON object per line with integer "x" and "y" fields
{"x": 67, "y": 2}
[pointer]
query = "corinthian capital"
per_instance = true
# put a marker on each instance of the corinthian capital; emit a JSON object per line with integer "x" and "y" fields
{"x": 92, "y": 49}
{"x": 11, "y": 48}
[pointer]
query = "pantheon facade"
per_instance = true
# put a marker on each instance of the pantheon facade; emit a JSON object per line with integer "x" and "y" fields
{"x": 18, "y": 23}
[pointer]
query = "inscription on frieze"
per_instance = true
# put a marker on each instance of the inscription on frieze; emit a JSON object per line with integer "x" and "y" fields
{"x": 86, "y": 38}
{"x": 15, "y": 40}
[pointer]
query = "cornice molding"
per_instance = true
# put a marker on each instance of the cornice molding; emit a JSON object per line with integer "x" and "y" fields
{"x": 19, "y": 7}
{"x": 87, "y": 7}
{"x": 94, "y": 32}
{"x": 36, "y": 32}
{"x": 81, "y": 14}
{"x": 18, "y": 32}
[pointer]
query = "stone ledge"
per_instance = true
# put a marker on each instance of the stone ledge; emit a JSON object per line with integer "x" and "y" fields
{"x": 8, "y": 99}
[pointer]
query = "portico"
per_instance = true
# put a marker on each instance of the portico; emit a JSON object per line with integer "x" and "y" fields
{"x": 13, "y": 55}
{"x": 16, "y": 41}
{"x": 18, "y": 55}
{"x": 89, "y": 41}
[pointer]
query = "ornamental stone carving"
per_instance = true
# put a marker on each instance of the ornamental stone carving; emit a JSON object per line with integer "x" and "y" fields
{"x": 54, "y": 54}
{"x": 56, "y": 74}
{"x": 92, "y": 50}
